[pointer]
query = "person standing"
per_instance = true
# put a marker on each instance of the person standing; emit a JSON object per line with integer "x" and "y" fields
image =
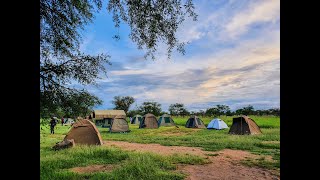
{"x": 62, "y": 121}
{"x": 52, "y": 125}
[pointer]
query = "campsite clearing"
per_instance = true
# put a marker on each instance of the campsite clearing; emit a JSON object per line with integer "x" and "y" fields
{"x": 259, "y": 154}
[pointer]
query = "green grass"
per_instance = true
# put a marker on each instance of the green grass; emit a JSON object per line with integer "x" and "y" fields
{"x": 132, "y": 165}
{"x": 55, "y": 164}
{"x": 210, "y": 140}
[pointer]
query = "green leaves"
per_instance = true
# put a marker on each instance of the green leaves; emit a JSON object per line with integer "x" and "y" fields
{"x": 123, "y": 103}
{"x": 152, "y": 22}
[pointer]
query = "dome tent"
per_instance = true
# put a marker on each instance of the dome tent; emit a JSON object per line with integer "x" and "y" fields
{"x": 149, "y": 121}
{"x": 195, "y": 122}
{"x": 84, "y": 132}
{"x": 217, "y": 124}
{"x": 119, "y": 124}
{"x": 136, "y": 119}
{"x": 244, "y": 125}
{"x": 166, "y": 120}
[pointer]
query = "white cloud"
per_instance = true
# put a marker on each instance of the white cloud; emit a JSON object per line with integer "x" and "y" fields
{"x": 259, "y": 11}
{"x": 248, "y": 72}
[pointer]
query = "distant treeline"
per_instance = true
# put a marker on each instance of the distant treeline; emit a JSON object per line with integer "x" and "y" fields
{"x": 179, "y": 109}
{"x": 124, "y": 103}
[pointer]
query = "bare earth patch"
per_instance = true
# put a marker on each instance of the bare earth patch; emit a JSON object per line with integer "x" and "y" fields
{"x": 224, "y": 166}
{"x": 93, "y": 168}
{"x": 156, "y": 148}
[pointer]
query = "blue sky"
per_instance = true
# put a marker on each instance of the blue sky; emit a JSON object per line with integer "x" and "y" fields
{"x": 233, "y": 58}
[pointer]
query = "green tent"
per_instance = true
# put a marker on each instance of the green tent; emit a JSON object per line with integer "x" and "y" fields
{"x": 136, "y": 119}
{"x": 166, "y": 120}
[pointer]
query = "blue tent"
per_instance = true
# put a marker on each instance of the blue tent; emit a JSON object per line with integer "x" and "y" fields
{"x": 217, "y": 124}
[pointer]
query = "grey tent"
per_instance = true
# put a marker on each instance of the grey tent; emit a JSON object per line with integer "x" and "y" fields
{"x": 195, "y": 122}
{"x": 149, "y": 121}
{"x": 119, "y": 124}
{"x": 166, "y": 120}
{"x": 136, "y": 119}
{"x": 244, "y": 125}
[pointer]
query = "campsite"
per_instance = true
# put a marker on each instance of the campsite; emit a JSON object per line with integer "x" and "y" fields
{"x": 160, "y": 90}
{"x": 166, "y": 153}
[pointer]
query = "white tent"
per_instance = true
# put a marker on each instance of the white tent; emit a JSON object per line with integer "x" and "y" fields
{"x": 217, "y": 124}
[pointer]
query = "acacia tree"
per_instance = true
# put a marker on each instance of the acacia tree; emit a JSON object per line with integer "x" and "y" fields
{"x": 214, "y": 111}
{"x": 223, "y": 109}
{"x": 177, "y": 109}
{"x": 150, "y": 107}
{"x": 61, "y": 61}
{"x": 123, "y": 103}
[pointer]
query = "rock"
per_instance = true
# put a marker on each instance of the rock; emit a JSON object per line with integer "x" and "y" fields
{"x": 68, "y": 143}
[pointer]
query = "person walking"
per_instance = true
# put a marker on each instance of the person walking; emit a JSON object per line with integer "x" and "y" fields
{"x": 52, "y": 125}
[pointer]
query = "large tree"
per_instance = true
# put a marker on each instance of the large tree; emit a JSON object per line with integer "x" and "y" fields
{"x": 177, "y": 109}
{"x": 123, "y": 102}
{"x": 62, "y": 63}
{"x": 150, "y": 107}
{"x": 214, "y": 111}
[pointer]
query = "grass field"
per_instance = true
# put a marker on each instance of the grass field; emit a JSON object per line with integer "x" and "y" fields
{"x": 55, "y": 164}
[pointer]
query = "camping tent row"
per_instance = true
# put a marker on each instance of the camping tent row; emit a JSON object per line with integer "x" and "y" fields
{"x": 105, "y": 118}
{"x": 150, "y": 121}
{"x": 85, "y": 132}
{"x": 241, "y": 125}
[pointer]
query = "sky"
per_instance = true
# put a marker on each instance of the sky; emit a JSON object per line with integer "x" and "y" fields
{"x": 232, "y": 58}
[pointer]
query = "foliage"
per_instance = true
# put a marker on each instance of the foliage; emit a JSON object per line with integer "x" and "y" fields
{"x": 150, "y": 107}
{"x": 123, "y": 103}
{"x": 62, "y": 63}
{"x": 178, "y": 109}
{"x": 153, "y": 21}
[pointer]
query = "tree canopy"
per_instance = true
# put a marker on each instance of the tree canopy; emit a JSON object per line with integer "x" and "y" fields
{"x": 178, "y": 109}
{"x": 150, "y": 107}
{"x": 61, "y": 61}
{"x": 123, "y": 103}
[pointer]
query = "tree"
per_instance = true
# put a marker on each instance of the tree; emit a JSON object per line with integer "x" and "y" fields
{"x": 61, "y": 61}
{"x": 202, "y": 113}
{"x": 222, "y": 109}
{"x": 78, "y": 103}
{"x": 248, "y": 110}
{"x": 132, "y": 113}
{"x": 150, "y": 107}
{"x": 177, "y": 109}
{"x": 214, "y": 111}
{"x": 185, "y": 112}
{"x": 123, "y": 103}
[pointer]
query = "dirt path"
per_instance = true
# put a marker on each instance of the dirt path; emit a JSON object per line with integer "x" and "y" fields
{"x": 224, "y": 166}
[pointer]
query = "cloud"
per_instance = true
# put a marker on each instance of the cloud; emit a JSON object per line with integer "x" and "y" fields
{"x": 233, "y": 59}
{"x": 257, "y": 12}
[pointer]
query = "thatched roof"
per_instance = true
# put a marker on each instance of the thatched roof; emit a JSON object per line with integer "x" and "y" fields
{"x": 100, "y": 114}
